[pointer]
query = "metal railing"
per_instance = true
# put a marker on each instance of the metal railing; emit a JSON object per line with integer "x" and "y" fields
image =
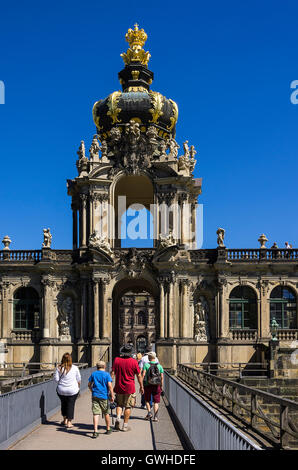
{"x": 233, "y": 369}
{"x": 268, "y": 415}
{"x": 23, "y": 409}
{"x": 202, "y": 426}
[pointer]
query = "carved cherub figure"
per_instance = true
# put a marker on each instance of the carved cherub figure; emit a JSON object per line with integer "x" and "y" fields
{"x": 47, "y": 238}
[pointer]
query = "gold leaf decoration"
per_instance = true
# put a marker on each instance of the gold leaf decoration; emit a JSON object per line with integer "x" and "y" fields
{"x": 174, "y": 118}
{"x": 113, "y": 106}
{"x": 157, "y": 101}
{"x": 95, "y": 117}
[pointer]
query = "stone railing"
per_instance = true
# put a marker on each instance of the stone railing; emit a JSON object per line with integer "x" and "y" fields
{"x": 262, "y": 254}
{"x": 21, "y": 255}
{"x": 287, "y": 335}
{"x": 244, "y": 335}
{"x": 35, "y": 256}
{"x": 25, "y": 335}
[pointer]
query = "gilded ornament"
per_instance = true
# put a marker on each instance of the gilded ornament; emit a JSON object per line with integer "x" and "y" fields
{"x": 135, "y": 74}
{"x": 174, "y": 118}
{"x": 137, "y": 88}
{"x": 113, "y": 106}
{"x": 96, "y": 118}
{"x": 136, "y": 39}
{"x": 157, "y": 100}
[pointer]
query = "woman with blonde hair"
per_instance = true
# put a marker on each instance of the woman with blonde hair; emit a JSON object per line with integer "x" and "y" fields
{"x": 68, "y": 379}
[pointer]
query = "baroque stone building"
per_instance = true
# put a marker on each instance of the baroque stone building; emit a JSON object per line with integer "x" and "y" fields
{"x": 203, "y": 304}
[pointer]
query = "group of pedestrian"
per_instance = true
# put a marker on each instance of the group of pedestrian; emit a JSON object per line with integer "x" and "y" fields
{"x": 146, "y": 368}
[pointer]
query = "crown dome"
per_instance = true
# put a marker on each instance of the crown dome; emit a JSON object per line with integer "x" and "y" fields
{"x": 136, "y": 101}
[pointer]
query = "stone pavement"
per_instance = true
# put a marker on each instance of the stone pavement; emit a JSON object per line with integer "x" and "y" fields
{"x": 144, "y": 435}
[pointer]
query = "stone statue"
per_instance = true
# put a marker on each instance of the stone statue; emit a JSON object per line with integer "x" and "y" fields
{"x": 95, "y": 241}
{"x": 82, "y": 162}
{"x": 152, "y": 140}
{"x": 66, "y": 310}
{"x": 201, "y": 320}
{"x": 183, "y": 163}
{"x": 186, "y": 149}
{"x": 104, "y": 149}
{"x": 220, "y": 237}
{"x": 114, "y": 142}
{"x": 173, "y": 146}
{"x": 192, "y": 158}
{"x": 81, "y": 152}
{"x": 162, "y": 149}
{"x": 94, "y": 149}
{"x": 166, "y": 241}
{"x": 47, "y": 238}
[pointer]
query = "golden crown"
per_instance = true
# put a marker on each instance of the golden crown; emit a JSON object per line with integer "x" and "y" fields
{"x": 136, "y": 38}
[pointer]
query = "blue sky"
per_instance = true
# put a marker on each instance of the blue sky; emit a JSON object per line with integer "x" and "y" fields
{"x": 228, "y": 65}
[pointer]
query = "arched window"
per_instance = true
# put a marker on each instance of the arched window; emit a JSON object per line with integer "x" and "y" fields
{"x": 26, "y": 308}
{"x": 283, "y": 307}
{"x": 141, "y": 318}
{"x": 243, "y": 309}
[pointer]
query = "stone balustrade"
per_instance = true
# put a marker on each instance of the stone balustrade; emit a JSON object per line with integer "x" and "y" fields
{"x": 244, "y": 335}
{"x": 287, "y": 335}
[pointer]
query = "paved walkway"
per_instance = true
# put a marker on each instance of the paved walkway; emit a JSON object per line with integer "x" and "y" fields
{"x": 144, "y": 435}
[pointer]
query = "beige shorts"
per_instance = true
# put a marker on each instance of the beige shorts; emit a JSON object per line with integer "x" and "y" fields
{"x": 126, "y": 400}
{"x": 100, "y": 406}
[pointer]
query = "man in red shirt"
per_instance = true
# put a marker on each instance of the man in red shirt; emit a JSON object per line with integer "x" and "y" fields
{"x": 125, "y": 368}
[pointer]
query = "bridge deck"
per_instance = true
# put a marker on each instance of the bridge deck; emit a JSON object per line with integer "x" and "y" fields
{"x": 144, "y": 435}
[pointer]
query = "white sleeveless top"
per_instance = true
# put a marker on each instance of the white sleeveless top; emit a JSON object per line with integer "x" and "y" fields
{"x": 68, "y": 383}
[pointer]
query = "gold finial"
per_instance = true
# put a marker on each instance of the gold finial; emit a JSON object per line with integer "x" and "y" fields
{"x": 136, "y": 39}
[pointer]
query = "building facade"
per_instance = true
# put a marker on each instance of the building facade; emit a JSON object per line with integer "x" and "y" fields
{"x": 202, "y": 304}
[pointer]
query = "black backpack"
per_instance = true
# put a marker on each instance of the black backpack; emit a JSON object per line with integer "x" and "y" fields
{"x": 153, "y": 375}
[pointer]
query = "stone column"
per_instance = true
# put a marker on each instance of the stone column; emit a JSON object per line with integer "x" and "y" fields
{"x": 223, "y": 310}
{"x": 84, "y": 219}
{"x": 171, "y": 306}
{"x": 264, "y": 310}
{"x": 103, "y": 309}
{"x": 74, "y": 226}
{"x": 185, "y": 309}
{"x": 162, "y": 309}
{"x": 193, "y": 225}
{"x": 166, "y": 308}
{"x": 83, "y": 310}
{"x": 176, "y": 218}
{"x": 89, "y": 320}
{"x": 95, "y": 310}
{"x": 47, "y": 284}
{"x": 91, "y": 214}
{"x": 183, "y": 231}
{"x": 4, "y": 286}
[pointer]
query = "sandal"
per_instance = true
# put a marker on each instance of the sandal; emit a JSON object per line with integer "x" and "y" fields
{"x": 95, "y": 435}
{"x": 149, "y": 416}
